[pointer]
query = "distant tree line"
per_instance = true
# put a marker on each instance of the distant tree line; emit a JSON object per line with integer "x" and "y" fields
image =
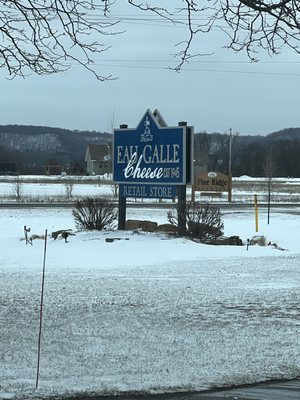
{"x": 251, "y": 153}
{"x": 36, "y": 149}
{"x": 276, "y": 154}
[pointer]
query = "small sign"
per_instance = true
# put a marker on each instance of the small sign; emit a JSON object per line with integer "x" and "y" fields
{"x": 217, "y": 183}
{"x": 148, "y": 191}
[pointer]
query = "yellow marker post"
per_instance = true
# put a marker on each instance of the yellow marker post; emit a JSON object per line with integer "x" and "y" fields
{"x": 256, "y": 213}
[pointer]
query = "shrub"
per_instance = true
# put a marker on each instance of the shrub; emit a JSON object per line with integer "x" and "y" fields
{"x": 203, "y": 221}
{"x": 94, "y": 213}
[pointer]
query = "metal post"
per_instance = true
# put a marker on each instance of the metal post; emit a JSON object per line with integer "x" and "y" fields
{"x": 41, "y": 314}
{"x": 122, "y": 202}
{"x": 181, "y": 207}
{"x": 193, "y": 193}
{"x": 181, "y": 210}
{"x": 122, "y": 213}
{"x": 256, "y": 213}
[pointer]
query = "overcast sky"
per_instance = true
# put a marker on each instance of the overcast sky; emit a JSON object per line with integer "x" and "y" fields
{"x": 213, "y": 93}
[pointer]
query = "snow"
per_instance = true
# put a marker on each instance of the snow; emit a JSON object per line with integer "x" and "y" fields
{"x": 146, "y": 312}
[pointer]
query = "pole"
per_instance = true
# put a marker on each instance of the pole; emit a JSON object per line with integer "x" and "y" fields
{"x": 41, "y": 313}
{"x": 230, "y": 150}
{"x": 181, "y": 206}
{"x": 122, "y": 212}
{"x": 193, "y": 193}
{"x": 229, "y": 166}
{"x": 181, "y": 210}
{"x": 256, "y": 213}
{"x": 269, "y": 199}
{"x": 122, "y": 201}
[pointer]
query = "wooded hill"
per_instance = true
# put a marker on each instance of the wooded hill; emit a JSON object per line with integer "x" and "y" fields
{"x": 31, "y": 148}
{"x": 250, "y": 154}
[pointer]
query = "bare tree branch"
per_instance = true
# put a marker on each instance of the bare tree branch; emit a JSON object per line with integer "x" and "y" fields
{"x": 48, "y": 36}
{"x": 268, "y": 25}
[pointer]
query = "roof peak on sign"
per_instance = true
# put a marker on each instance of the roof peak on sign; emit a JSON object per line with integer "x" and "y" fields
{"x": 156, "y": 117}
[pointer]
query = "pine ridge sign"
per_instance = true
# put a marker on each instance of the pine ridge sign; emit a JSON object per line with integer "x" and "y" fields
{"x": 212, "y": 184}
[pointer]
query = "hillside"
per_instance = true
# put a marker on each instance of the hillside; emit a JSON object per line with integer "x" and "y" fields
{"x": 36, "y": 146}
{"x": 285, "y": 134}
{"x": 249, "y": 153}
{"x": 30, "y": 148}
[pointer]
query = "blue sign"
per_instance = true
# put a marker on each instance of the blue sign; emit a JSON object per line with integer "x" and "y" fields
{"x": 150, "y": 154}
{"x": 148, "y": 191}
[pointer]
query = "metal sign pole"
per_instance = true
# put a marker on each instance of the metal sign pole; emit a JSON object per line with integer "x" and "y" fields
{"x": 181, "y": 210}
{"x": 41, "y": 314}
{"x": 256, "y": 213}
{"x": 122, "y": 212}
{"x": 182, "y": 195}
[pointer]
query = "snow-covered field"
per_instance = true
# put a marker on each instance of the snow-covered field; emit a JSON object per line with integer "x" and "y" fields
{"x": 147, "y": 313}
{"x": 33, "y": 188}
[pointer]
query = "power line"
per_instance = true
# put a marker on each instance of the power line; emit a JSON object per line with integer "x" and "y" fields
{"x": 200, "y": 61}
{"x": 186, "y": 69}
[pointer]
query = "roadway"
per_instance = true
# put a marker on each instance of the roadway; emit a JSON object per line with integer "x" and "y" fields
{"x": 225, "y": 206}
{"x": 280, "y": 390}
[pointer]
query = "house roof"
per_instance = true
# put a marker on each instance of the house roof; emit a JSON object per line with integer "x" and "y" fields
{"x": 98, "y": 151}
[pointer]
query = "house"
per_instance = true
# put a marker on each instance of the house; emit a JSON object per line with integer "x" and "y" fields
{"x": 98, "y": 158}
{"x": 201, "y": 162}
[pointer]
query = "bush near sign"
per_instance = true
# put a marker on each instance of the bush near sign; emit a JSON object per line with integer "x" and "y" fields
{"x": 207, "y": 183}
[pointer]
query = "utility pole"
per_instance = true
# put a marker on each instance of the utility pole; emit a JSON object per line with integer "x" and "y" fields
{"x": 229, "y": 166}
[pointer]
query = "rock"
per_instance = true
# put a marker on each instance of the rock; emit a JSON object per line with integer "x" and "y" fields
{"x": 260, "y": 240}
{"x": 167, "y": 228}
{"x": 111, "y": 240}
{"x": 225, "y": 241}
{"x": 146, "y": 226}
{"x": 62, "y": 233}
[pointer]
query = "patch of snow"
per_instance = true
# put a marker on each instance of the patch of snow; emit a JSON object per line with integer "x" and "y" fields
{"x": 146, "y": 312}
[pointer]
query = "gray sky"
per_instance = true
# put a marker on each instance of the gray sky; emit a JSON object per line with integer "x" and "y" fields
{"x": 212, "y": 93}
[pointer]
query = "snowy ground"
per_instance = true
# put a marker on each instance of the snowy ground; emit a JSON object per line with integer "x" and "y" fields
{"x": 147, "y": 313}
{"x": 57, "y": 188}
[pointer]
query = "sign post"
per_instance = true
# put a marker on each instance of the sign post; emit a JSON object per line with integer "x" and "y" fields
{"x": 256, "y": 212}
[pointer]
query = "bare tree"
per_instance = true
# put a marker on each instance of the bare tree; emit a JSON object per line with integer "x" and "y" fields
{"x": 268, "y": 24}
{"x": 249, "y": 24}
{"x": 269, "y": 171}
{"x": 17, "y": 187}
{"x": 69, "y": 186}
{"x": 47, "y": 36}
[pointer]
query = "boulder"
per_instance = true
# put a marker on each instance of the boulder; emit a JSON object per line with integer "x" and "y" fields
{"x": 259, "y": 240}
{"x": 146, "y": 226}
{"x": 225, "y": 241}
{"x": 167, "y": 228}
